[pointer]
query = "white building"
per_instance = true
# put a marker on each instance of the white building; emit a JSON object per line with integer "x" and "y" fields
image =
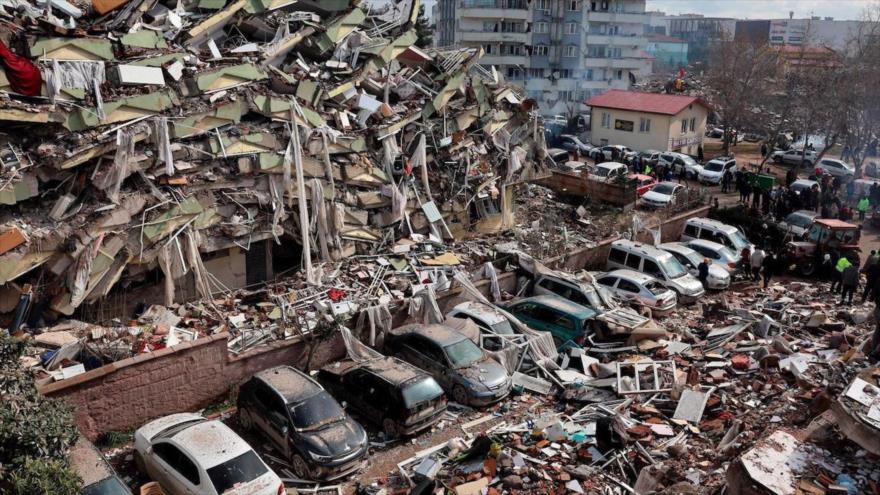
{"x": 561, "y": 51}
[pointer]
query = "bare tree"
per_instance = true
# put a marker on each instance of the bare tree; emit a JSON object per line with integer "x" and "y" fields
{"x": 860, "y": 103}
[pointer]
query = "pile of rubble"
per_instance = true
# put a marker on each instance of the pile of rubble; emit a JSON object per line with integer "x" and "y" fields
{"x": 157, "y": 134}
{"x": 747, "y": 394}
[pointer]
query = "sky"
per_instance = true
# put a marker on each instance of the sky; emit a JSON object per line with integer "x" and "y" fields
{"x": 763, "y": 9}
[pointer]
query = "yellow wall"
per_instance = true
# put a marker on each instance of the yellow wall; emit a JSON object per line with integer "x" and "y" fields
{"x": 664, "y": 129}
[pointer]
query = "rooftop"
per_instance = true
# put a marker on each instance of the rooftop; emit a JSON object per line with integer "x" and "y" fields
{"x": 645, "y": 102}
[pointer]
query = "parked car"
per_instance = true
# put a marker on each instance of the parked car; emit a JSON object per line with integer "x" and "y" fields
{"x": 679, "y": 162}
{"x": 714, "y": 170}
{"x": 108, "y": 486}
{"x": 96, "y": 474}
{"x": 556, "y": 157}
{"x": 391, "y": 393}
{"x": 836, "y": 168}
{"x": 718, "y": 254}
{"x": 623, "y": 153}
{"x": 798, "y": 222}
{"x": 464, "y": 370}
{"x": 491, "y": 321}
{"x": 304, "y": 422}
{"x": 638, "y": 288}
{"x": 649, "y": 157}
{"x": 190, "y": 455}
{"x": 801, "y": 185}
{"x": 567, "y": 321}
{"x": 718, "y": 132}
{"x": 626, "y": 254}
{"x": 609, "y": 171}
{"x": 644, "y": 183}
{"x": 662, "y": 195}
{"x": 794, "y": 157}
{"x": 713, "y": 230}
{"x": 752, "y": 137}
{"x": 574, "y": 144}
{"x": 719, "y": 278}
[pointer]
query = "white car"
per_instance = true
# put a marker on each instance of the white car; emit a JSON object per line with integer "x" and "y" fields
{"x": 623, "y": 153}
{"x": 794, "y": 157}
{"x": 714, "y": 170}
{"x": 609, "y": 171}
{"x": 719, "y": 278}
{"x": 679, "y": 162}
{"x": 662, "y": 195}
{"x": 190, "y": 455}
{"x": 718, "y": 254}
{"x": 801, "y": 185}
{"x": 836, "y": 168}
{"x": 635, "y": 287}
{"x": 798, "y": 222}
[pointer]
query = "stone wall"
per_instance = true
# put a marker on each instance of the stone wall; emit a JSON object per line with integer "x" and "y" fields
{"x": 124, "y": 395}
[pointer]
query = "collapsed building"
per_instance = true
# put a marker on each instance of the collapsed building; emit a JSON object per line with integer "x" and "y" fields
{"x": 155, "y": 153}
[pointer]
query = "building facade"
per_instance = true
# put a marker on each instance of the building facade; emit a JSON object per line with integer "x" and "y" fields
{"x": 700, "y": 32}
{"x": 561, "y": 52}
{"x": 648, "y": 121}
{"x": 668, "y": 52}
{"x": 827, "y": 32}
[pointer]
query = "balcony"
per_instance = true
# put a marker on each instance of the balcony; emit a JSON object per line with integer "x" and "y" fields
{"x": 616, "y": 40}
{"x": 503, "y": 60}
{"x": 618, "y": 17}
{"x": 494, "y": 9}
{"x": 490, "y": 36}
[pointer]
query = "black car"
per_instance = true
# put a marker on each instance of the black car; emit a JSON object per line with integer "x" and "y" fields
{"x": 389, "y": 392}
{"x": 304, "y": 422}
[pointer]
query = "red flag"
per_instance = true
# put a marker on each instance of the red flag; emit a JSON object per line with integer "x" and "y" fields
{"x": 681, "y": 72}
{"x": 24, "y": 76}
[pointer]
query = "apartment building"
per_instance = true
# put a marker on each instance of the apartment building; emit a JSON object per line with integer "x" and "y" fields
{"x": 562, "y": 52}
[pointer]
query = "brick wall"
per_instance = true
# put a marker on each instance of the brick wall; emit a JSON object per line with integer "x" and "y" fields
{"x": 126, "y": 394}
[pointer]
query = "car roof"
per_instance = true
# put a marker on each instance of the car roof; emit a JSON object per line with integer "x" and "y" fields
{"x": 630, "y": 275}
{"x": 708, "y": 222}
{"x": 611, "y": 165}
{"x": 805, "y": 182}
{"x": 722, "y": 159}
{"x": 640, "y": 248}
{"x": 561, "y": 304}
{"x": 806, "y": 213}
{"x": 292, "y": 384}
{"x": 677, "y": 247}
{"x": 210, "y": 443}
{"x": 392, "y": 370}
{"x": 442, "y": 335}
{"x": 668, "y": 183}
{"x": 707, "y": 244}
{"x": 480, "y": 310}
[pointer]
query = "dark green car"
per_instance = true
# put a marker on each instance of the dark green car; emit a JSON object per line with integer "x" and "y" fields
{"x": 567, "y": 321}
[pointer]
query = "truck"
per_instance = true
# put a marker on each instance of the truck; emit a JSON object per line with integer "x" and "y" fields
{"x": 828, "y": 236}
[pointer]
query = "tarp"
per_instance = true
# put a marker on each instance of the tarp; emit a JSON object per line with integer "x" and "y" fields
{"x": 24, "y": 77}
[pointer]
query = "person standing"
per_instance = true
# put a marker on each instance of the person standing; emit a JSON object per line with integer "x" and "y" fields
{"x": 872, "y": 275}
{"x": 863, "y": 205}
{"x": 850, "y": 282}
{"x": 842, "y": 264}
{"x": 725, "y": 181}
{"x": 703, "y": 272}
{"x": 769, "y": 266}
{"x": 757, "y": 260}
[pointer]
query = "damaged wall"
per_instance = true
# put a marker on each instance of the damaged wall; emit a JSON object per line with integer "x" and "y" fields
{"x": 126, "y": 394}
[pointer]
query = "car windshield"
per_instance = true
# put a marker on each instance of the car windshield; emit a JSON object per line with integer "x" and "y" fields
{"x": 714, "y": 166}
{"x": 688, "y": 160}
{"x": 663, "y": 189}
{"x": 738, "y": 239}
{"x": 655, "y": 288}
{"x": 671, "y": 267}
{"x": 107, "y": 486}
{"x": 423, "y": 390}
{"x": 798, "y": 220}
{"x": 602, "y": 171}
{"x": 316, "y": 411}
{"x": 463, "y": 353}
{"x": 502, "y": 328}
{"x": 725, "y": 253}
{"x": 242, "y": 469}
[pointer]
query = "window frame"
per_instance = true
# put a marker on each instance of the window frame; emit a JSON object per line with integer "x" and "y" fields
{"x": 180, "y": 456}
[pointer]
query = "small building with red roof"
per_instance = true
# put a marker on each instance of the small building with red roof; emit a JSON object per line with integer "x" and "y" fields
{"x": 648, "y": 121}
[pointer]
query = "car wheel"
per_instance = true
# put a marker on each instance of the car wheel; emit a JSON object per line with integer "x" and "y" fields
{"x": 460, "y": 395}
{"x": 300, "y": 467}
{"x": 245, "y": 419}
{"x": 139, "y": 463}
{"x": 390, "y": 428}
{"x": 807, "y": 267}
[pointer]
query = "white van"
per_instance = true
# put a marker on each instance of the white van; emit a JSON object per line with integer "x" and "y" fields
{"x": 656, "y": 263}
{"x": 609, "y": 171}
{"x": 715, "y": 231}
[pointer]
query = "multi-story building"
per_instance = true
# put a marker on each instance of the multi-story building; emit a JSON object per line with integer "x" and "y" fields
{"x": 562, "y": 52}
{"x": 815, "y": 32}
{"x": 700, "y": 32}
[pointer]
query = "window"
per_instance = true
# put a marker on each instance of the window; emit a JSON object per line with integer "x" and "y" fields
{"x": 607, "y": 281}
{"x": 606, "y": 120}
{"x": 242, "y": 469}
{"x": 177, "y": 461}
{"x": 652, "y": 269}
{"x": 626, "y": 285}
{"x": 542, "y": 5}
{"x": 617, "y": 255}
{"x": 514, "y": 73}
{"x": 573, "y": 5}
{"x": 633, "y": 261}
{"x": 589, "y": 74}
{"x": 693, "y": 124}
{"x": 566, "y": 95}
{"x": 692, "y": 231}
{"x": 570, "y": 50}
{"x": 542, "y": 28}
{"x": 644, "y": 125}
{"x": 536, "y": 72}
{"x": 684, "y": 126}
{"x": 565, "y": 73}
{"x": 618, "y": 75}
{"x": 541, "y": 50}
{"x": 488, "y": 49}
{"x": 571, "y": 28}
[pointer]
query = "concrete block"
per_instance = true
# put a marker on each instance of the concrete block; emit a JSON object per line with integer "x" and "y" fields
{"x": 128, "y": 75}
